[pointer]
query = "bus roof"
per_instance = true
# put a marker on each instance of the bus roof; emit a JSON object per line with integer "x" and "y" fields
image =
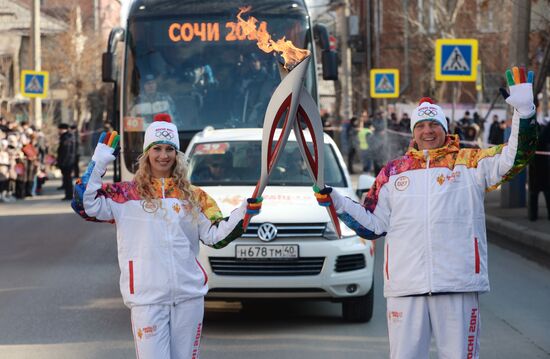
{"x": 148, "y": 8}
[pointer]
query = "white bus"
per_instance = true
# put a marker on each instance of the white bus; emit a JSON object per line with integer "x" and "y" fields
{"x": 192, "y": 60}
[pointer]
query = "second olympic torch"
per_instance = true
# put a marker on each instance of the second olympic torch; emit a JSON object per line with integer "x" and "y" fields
{"x": 301, "y": 114}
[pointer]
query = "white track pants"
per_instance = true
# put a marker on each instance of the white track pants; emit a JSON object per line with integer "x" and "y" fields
{"x": 452, "y": 318}
{"x": 168, "y": 331}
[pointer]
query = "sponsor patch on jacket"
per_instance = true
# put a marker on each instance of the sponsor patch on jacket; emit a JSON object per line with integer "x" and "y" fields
{"x": 149, "y": 207}
{"x": 147, "y": 332}
{"x": 402, "y": 183}
{"x": 453, "y": 177}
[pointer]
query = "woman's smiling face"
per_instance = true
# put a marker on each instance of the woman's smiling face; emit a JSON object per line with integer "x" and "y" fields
{"x": 162, "y": 158}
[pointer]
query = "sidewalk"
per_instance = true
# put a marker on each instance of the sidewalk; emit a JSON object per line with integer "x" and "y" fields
{"x": 48, "y": 203}
{"x": 512, "y": 223}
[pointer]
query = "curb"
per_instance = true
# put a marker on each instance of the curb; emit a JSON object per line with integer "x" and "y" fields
{"x": 518, "y": 233}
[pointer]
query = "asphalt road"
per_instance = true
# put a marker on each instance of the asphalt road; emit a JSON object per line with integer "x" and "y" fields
{"x": 59, "y": 299}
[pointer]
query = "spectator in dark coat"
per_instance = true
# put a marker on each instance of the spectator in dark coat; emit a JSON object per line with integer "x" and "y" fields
{"x": 539, "y": 174}
{"x": 496, "y": 132}
{"x": 66, "y": 157}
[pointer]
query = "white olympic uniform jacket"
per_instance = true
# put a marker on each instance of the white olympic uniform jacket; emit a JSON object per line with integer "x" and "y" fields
{"x": 430, "y": 206}
{"x": 158, "y": 247}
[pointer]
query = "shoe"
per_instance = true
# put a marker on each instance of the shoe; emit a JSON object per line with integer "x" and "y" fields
{"x": 60, "y": 188}
{"x": 67, "y": 199}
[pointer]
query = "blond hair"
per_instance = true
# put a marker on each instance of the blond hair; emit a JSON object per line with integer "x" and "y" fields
{"x": 144, "y": 182}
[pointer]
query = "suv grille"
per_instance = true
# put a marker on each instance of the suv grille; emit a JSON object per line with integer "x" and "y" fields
{"x": 350, "y": 262}
{"x": 261, "y": 267}
{"x": 285, "y": 230}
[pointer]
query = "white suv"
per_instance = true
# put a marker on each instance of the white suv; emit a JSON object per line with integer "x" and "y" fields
{"x": 290, "y": 250}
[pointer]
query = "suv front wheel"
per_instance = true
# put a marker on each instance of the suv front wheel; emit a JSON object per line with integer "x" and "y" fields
{"x": 358, "y": 309}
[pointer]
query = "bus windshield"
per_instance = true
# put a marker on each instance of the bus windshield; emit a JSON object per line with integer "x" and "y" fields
{"x": 203, "y": 71}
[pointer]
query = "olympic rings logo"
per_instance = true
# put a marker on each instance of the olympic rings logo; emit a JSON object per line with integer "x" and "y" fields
{"x": 166, "y": 134}
{"x": 427, "y": 112}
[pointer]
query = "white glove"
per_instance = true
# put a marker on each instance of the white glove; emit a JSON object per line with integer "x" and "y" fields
{"x": 521, "y": 98}
{"x": 103, "y": 155}
{"x": 521, "y": 91}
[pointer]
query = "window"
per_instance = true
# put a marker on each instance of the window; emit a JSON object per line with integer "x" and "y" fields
{"x": 485, "y": 16}
{"x": 426, "y": 16}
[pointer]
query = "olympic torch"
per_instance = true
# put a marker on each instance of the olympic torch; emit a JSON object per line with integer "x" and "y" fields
{"x": 301, "y": 112}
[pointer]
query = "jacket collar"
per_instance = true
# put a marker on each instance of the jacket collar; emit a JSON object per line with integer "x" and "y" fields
{"x": 166, "y": 184}
{"x": 451, "y": 145}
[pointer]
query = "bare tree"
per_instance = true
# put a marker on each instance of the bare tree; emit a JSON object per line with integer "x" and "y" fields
{"x": 72, "y": 59}
{"x": 436, "y": 19}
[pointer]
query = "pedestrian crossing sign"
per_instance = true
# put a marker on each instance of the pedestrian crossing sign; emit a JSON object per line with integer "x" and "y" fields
{"x": 384, "y": 83}
{"x": 34, "y": 83}
{"x": 456, "y": 59}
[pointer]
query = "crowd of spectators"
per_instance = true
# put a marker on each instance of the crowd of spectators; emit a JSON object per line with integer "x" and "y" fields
{"x": 27, "y": 159}
{"x": 372, "y": 140}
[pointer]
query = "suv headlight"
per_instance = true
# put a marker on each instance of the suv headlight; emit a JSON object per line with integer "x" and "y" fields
{"x": 330, "y": 231}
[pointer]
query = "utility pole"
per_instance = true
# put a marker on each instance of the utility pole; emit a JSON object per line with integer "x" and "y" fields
{"x": 36, "y": 103}
{"x": 512, "y": 194}
{"x": 347, "y": 92}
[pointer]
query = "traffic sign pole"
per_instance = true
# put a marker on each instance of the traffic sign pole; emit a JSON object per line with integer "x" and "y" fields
{"x": 36, "y": 102}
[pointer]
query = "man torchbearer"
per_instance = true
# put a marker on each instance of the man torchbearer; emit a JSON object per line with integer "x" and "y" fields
{"x": 429, "y": 204}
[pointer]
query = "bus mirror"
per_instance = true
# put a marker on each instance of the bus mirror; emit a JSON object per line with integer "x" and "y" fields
{"x": 329, "y": 56}
{"x": 107, "y": 67}
{"x": 107, "y": 63}
{"x": 330, "y": 65}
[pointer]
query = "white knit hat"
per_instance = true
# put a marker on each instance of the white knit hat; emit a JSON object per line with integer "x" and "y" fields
{"x": 162, "y": 130}
{"x": 428, "y": 111}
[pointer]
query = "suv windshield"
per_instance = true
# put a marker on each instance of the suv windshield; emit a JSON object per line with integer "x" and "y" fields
{"x": 237, "y": 163}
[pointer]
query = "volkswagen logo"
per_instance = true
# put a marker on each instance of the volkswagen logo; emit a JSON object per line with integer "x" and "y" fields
{"x": 267, "y": 232}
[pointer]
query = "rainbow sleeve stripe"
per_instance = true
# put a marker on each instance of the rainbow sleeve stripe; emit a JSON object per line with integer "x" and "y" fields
{"x": 527, "y": 143}
{"x": 214, "y": 214}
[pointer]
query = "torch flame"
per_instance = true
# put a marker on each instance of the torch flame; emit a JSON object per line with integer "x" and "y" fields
{"x": 290, "y": 53}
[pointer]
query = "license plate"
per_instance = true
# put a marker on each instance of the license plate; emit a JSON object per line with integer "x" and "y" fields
{"x": 271, "y": 251}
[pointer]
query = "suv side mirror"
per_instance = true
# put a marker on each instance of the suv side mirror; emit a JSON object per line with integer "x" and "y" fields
{"x": 364, "y": 184}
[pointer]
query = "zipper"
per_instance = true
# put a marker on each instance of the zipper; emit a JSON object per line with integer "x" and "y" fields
{"x": 428, "y": 234}
{"x": 172, "y": 272}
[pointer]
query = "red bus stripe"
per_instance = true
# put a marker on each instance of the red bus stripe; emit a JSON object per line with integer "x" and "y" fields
{"x": 477, "y": 255}
{"x": 131, "y": 270}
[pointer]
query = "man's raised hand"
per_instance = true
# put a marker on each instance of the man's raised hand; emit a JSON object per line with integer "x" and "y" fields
{"x": 521, "y": 91}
